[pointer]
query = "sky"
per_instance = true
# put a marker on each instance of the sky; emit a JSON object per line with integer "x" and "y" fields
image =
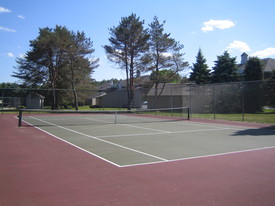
{"x": 213, "y": 26}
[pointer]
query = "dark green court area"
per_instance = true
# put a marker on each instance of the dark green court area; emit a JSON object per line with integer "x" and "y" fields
{"x": 142, "y": 142}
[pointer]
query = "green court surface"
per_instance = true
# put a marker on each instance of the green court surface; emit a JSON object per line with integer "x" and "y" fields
{"x": 150, "y": 142}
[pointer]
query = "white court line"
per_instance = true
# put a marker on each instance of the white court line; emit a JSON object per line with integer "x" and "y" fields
{"x": 162, "y": 131}
{"x": 128, "y": 125}
{"x": 145, "y": 128}
{"x": 218, "y": 125}
{"x": 162, "y": 160}
{"x": 72, "y": 144}
{"x": 159, "y": 133}
{"x": 97, "y": 120}
{"x": 105, "y": 141}
{"x": 203, "y": 156}
{"x": 230, "y": 127}
{"x": 199, "y": 124}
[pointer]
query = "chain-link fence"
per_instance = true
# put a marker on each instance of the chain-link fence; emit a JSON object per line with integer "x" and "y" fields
{"x": 13, "y": 99}
{"x": 235, "y": 101}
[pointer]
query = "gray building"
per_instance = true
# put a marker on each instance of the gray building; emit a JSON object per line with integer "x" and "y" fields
{"x": 268, "y": 64}
{"x": 168, "y": 95}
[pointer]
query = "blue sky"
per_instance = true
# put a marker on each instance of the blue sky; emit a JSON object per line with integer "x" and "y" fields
{"x": 212, "y": 25}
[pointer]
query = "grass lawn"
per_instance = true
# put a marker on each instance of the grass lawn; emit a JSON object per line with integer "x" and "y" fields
{"x": 268, "y": 118}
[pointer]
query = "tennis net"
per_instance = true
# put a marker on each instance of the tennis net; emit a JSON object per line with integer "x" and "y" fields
{"x": 40, "y": 117}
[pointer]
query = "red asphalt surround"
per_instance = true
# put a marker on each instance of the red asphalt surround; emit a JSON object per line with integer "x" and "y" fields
{"x": 37, "y": 169}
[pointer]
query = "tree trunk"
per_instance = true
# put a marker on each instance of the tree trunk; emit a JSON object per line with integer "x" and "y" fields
{"x": 73, "y": 86}
{"x": 52, "y": 79}
{"x": 131, "y": 86}
{"x": 75, "y": 97}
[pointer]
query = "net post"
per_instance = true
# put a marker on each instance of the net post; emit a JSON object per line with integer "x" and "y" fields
{"x": 188, "y": 113}
{"x": 20, "y": 118}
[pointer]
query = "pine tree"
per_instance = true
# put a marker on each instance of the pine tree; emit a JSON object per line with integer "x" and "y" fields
{"x": 128, "y": 42}
{"x": 57, "y": 56}
{"x": 225, "y": 69}
{"x": 253, "y": 70}
{"x": 200, "y": 73}
{"x": 164, "y": 54}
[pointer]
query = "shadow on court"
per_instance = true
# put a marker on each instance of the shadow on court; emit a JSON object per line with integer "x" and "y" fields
{"x": 256, "y": 132}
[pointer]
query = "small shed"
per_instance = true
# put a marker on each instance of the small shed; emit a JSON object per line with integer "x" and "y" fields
{"x": 34, "y": 101}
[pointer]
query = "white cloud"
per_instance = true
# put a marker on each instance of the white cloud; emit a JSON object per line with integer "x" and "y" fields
{"x": 217, "y": 24}
{"x": 166, "y": 54}
{"x": 10, "y": 54}
{"x": 6, "y": 29}
{"x": 4, "y": 10}
{"x": 239, "y": 45}
{"x": 20, "y": 16}
{"x": 264, "y": 53}
{"x": 21, "y": 55}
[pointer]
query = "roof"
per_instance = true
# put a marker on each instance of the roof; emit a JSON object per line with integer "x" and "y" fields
{"x": 34, "y": 94}
{"x": 268, "y": 65}
{"x": 97, "y": 95}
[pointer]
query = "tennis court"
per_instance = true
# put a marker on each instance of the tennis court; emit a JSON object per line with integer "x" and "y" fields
{"x": 126, "y": 139}
{"x": 129, "y": 159}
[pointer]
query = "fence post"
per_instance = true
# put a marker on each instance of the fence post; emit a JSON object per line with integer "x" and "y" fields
{"x": 242, "y": 92}
{"x": 190, "y": 100}
{"x": 214, "y": 102}
{"x": 2, "y": 101}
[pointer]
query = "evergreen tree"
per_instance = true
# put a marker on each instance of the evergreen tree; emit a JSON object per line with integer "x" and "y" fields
{"x": 200, "y": 73}
{"x": 128, "y": 42}
{"x": 253, "y": 90}
{"x": 225, "y": 69}
{"x": 253, "y": 70}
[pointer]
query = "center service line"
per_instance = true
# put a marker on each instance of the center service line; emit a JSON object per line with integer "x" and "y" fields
{"x": 92, "y": 137}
